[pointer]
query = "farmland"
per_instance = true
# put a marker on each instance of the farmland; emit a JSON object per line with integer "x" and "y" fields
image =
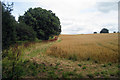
{"x": 71, "y": 56}
{"x": 96, "y": 47}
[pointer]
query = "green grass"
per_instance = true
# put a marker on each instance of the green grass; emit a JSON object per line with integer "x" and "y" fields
{"x": 51, "y": 74}
{"x": 57, "y": 64}
{"x": 67, "y": 74}
{"x": 104, "y": 72}
{"x": 97, "y": 73}
{"x": 112, "y": 74}
{"x": 20, "y": 69}
{"x": 79, "y": 75}
{"x": 25, "y": 67}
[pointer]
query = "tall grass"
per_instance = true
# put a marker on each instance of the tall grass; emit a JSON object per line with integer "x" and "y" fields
{"x": 17, "y": 58}
{"x": 96, "y": 47}
{"x": 12, "y": 61}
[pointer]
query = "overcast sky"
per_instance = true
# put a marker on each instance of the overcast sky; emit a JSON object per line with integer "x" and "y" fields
{"x": 76, "y": 16}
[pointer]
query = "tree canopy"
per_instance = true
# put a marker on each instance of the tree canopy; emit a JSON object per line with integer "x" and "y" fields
{"x": 25, "y": 32}
{"x": 104, "y": 30}
{"x": 35, "y": 23}
{"x": 8, "y": 26}
{"x": 44, "y": 22}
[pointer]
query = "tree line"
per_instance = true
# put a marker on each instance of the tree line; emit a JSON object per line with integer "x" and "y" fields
{"x": 104, "y": 30}
{"x": 36, "y": 23}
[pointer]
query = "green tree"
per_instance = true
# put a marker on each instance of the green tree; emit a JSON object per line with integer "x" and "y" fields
{"x": 104, "y": 30}
{"x": 25, "y": 32}
{"x": 44, "y": 22}
{"x": 8, "y": 26}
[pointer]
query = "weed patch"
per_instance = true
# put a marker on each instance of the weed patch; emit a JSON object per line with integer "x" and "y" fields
{"x": 84, "y": 67}
{"x": 79, "y": 65}
{"x": 90, "y": 75}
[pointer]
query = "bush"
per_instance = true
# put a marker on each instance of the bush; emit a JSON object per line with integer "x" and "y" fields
{"x": 25, "y": 32}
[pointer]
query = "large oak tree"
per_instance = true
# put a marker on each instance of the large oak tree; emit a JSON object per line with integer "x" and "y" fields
{"x": 44, "y": 22}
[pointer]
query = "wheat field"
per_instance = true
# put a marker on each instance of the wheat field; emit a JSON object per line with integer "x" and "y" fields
{"x": 94, "y": 47}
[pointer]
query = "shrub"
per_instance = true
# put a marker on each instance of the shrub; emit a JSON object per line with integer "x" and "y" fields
{"x": 25, "y": 32}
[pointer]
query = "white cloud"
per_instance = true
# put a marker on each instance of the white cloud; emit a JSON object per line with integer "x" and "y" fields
{"x": 76, "y": 16}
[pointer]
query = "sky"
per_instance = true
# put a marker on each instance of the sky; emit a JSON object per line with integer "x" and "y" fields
{"x": 76, "y": 16}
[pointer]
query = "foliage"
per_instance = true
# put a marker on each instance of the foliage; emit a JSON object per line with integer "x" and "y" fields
{"x": 45, "y": 23}
{"x": 104, "y": 30}
{"x": 11, "y": 60}
{"x": 25, "y": 32}
{"x": 79, "y": 65}
{"x": 8, "y": 26}
{"x": 95, "y": 32}
{"x": 43, "y": 66}
{"x": 84, "y": 67}
{"x": 35, "y": 24}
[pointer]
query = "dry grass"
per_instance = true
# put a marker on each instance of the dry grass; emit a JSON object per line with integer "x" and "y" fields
{"x": 83, "y": 52}
{"x": 96, "y": 47}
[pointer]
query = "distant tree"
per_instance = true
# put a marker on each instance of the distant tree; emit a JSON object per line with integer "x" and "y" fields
{"x": 104, "y": 30}
{"x": 95, "y": 32}
{"x": 25, "y": 32}
{"x": 8, "y": 26}
{"x": 44, "y": 23}
{"x": 118, "y": 32}
{"x": 114, "y": 32}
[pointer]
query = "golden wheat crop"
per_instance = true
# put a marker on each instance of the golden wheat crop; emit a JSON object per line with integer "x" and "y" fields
{"x": 96, "y": 47}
